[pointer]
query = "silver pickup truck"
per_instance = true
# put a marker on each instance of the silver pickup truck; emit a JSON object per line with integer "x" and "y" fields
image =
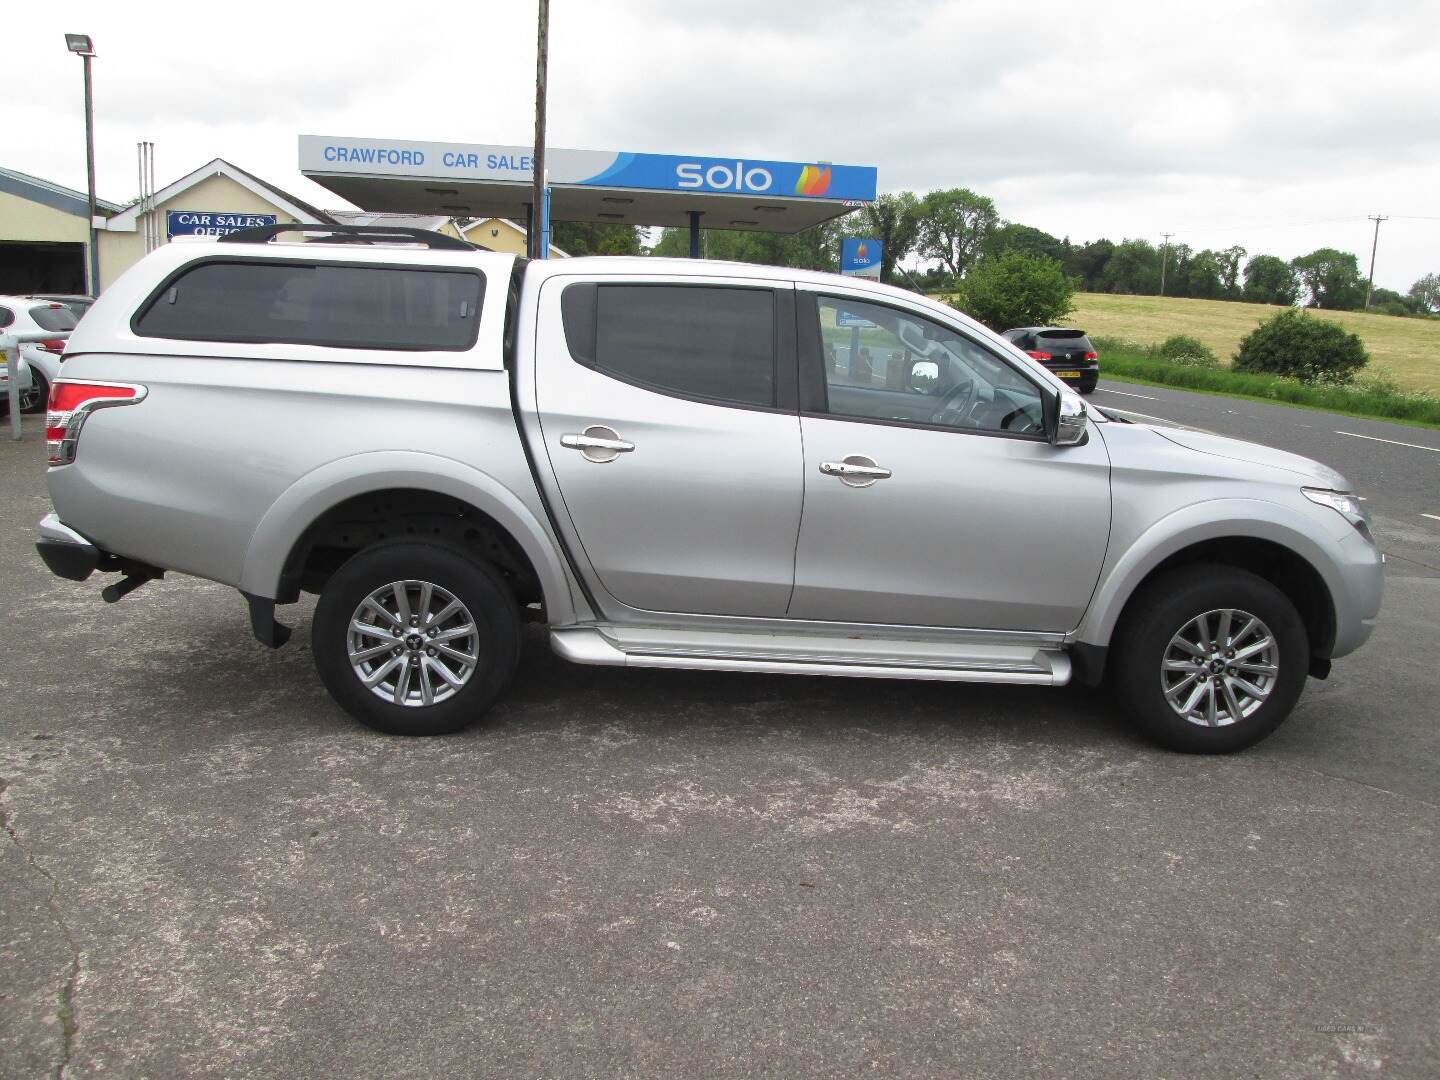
{"x": 675, "y": 464}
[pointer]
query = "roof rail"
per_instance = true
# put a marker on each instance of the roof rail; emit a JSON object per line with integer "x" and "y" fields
{"x": 260, "y": 234}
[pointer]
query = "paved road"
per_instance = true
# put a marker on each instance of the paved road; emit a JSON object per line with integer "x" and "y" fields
{"x": 209, "y": 871}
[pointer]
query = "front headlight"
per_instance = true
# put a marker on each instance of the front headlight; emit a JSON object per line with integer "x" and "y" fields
{"x": 1342, "y": 501}
{"x": 1346, "y": 505}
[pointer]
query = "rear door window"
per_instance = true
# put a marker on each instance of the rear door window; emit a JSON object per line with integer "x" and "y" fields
{"x": 54, "y": 317}
{"x": 344, "y": 306}
{"x": 714, "y": 343}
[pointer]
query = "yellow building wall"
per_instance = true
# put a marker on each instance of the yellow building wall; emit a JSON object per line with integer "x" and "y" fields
{"x": 21, "y": 219}
{"x": 217, "y": 194}
{"x": 509, "y": 238}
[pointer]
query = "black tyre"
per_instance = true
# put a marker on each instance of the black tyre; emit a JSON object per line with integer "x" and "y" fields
{"x": 37, "y": 397}
{"x": 1209, "y": 659}
{"x": 1088, "y": 386}
{"x": 416, "y": 638}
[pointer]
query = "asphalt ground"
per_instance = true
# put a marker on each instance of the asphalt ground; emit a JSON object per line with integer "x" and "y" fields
{"x": 208, "y": 870}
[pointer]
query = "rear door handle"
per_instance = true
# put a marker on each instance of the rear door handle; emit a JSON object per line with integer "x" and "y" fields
{"x": 857, "y": 470}
{"x": 597, "y": 443}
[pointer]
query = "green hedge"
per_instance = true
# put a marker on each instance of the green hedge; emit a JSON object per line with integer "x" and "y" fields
{"x": 1365, "y": 397}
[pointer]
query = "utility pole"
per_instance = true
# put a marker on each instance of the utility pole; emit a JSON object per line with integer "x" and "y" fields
{"x": 1370, "y": 284}
{"x": 1164, "y": 258}
{"x": 537, "y": 159}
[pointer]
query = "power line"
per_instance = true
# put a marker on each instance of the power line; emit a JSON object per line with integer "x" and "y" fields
{"x": 1164, "y": 258}
{"x": 1268, "y": 225}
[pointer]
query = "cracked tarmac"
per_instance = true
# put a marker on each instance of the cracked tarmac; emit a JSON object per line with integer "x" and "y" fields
{"x": 208, "y": 870}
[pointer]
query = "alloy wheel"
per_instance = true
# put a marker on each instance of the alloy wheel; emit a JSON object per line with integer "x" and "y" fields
{"x": 31, "y": 399}
{"x": 412, "y": 643}
{"x": 1220, "y": 667}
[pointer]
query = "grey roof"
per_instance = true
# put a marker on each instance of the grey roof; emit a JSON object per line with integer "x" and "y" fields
{"x": 401, "y": 221}
{"x": 66, "y": 200}
{"x": 313, "y": 211}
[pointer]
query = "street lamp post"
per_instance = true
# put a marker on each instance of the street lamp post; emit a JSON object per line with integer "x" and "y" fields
{"x": 83, "y": 47}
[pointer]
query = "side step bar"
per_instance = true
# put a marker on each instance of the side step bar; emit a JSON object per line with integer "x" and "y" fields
{"x": 794, "y": 655}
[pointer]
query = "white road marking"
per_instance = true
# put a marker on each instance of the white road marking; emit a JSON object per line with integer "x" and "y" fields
{"x": 1144, "y": 416}
{"x": 1432, "y": 517}
{"x": 1392, "y": 442}
{"x": 1122, "y": 393}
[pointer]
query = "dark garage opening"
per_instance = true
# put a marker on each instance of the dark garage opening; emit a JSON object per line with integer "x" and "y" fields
{"x": 41, "y": 268}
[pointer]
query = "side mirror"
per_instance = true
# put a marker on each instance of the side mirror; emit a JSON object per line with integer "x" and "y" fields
{"x": 1065, "y": 419}
{"x": 924, "y": 374}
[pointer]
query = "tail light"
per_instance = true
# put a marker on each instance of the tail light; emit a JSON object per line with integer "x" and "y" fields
{"x": 52, "y": 345}
{"x": 71, "y": 401}
{"x": 1037, "y": 355}
{"x": 1092, "y": 356}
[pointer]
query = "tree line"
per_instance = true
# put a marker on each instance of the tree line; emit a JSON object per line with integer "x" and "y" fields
{"x": 954, "y": 230}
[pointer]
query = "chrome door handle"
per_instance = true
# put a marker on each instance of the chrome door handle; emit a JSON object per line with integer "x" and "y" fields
{"x": 856, "y": 470}
{"x": 590, "y": 442}
{"x": 597, "y": 443}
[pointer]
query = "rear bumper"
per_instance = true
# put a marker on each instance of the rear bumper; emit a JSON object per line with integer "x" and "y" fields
{"x": 67, "y": 553}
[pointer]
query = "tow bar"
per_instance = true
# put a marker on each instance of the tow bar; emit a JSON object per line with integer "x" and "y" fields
{"x": 133, "y": 579}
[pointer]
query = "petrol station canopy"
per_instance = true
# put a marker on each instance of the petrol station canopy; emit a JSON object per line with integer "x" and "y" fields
{"x": 476, "y": 180}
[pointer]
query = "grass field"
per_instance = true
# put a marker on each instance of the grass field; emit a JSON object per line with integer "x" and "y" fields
{"x": 1407, "y": 350}
{"x": 1360, "y": 399}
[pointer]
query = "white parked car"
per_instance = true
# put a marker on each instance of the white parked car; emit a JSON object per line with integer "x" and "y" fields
{"x": 33, "y": 315}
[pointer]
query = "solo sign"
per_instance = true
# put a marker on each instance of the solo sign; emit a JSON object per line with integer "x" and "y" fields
{"x": 860, "y": 257}
{"x": 211, "y": 223}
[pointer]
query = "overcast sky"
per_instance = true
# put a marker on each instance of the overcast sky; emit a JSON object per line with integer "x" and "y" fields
{"x": 1277, "y": 126}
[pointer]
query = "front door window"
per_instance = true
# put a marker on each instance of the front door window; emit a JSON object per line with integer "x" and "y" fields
{"x": 882, "y": 363}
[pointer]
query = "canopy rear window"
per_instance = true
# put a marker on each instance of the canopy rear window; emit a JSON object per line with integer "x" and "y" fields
{"x": 341, "y": 305}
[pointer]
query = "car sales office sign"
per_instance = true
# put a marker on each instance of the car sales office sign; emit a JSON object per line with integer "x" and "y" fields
{"x": 211, "y": 223}
{"x": 588, "y": 168}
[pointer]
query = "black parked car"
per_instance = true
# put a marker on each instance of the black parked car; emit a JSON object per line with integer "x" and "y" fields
{"x": 1065, "y": 351}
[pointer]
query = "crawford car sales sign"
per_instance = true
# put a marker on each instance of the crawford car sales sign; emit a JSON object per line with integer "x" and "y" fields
{"x": 328, "y": 155}
{"x": 211, "y": 223}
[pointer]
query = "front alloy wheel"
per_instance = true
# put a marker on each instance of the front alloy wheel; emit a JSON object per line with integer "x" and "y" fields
{"x": 1209, "y": 658}
{"x": 1220, "y": 667}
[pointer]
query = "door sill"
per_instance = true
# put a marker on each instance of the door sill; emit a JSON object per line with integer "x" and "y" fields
{"x": 798, "y": 654}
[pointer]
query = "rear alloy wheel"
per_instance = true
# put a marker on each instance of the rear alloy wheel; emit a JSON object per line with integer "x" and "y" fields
{"x": 415, "y": 639}
{"x": 1210, "y": 659}
{"x": 413, "y": 644}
